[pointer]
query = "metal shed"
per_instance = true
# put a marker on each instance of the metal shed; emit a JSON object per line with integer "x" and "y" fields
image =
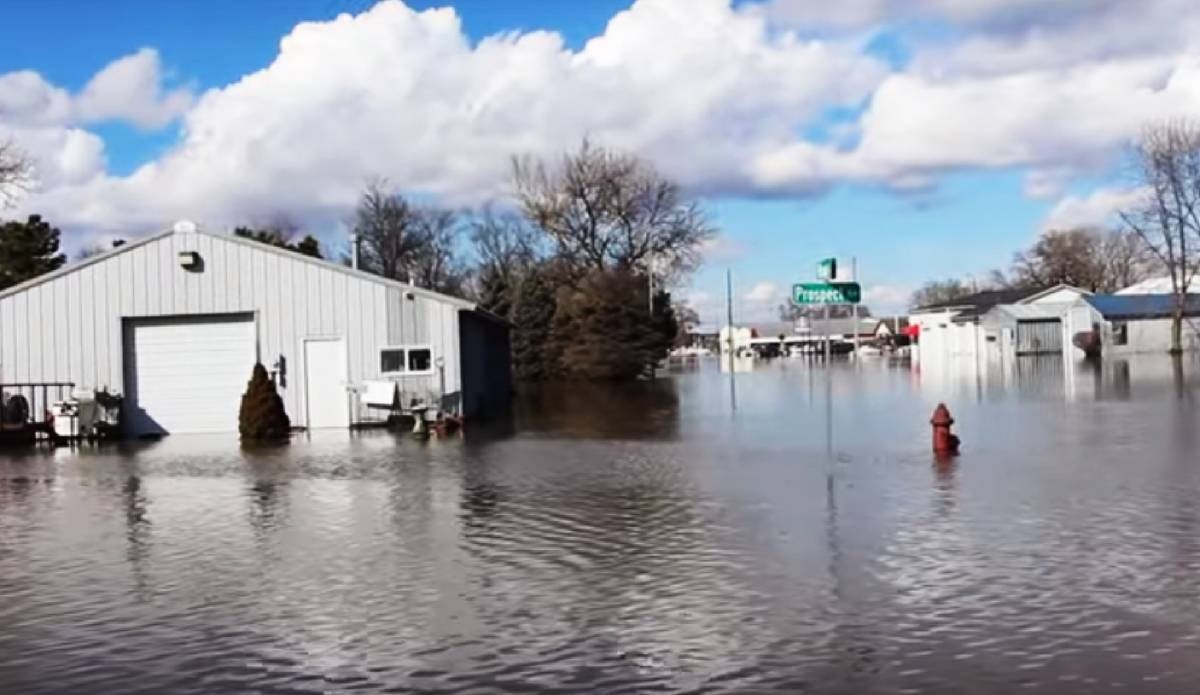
{"x": 174, "y": 322}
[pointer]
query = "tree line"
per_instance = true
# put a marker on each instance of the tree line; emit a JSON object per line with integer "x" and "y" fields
{"x": 579, "y": 266}
{"x": 1094, "y": 259}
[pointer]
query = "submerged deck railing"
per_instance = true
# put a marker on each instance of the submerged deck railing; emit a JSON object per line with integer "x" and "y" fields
{"x": 36, "y": 397}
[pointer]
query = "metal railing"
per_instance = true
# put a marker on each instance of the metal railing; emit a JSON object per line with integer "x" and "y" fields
{"x": 38, "y": 397}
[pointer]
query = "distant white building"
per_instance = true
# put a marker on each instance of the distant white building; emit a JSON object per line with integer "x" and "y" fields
{"x": 988, "y": 325}
{"x": 735, "y": 338}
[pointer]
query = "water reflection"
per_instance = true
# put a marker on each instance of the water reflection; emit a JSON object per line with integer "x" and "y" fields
{"x": 638, "y": 538}
{"x": 600, "y": 410}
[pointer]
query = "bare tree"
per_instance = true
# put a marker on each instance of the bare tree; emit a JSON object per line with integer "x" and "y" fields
{"x": 506, "y": 248}
{"x": 504, "y": 242}
{"x": 1168, "y": 219}
{"x": 15, "y": 173}
{"x": 1092, "y": 259}
{"x": 1061, "y": 257}
{"x": 606, "y": 210}
{"x": 387, "y": 229}
{"x": 436, "y": 264}
{"x": 408, "y": 242}
{"x": 1127, "y": 259}
{"x": 939, "y": 292}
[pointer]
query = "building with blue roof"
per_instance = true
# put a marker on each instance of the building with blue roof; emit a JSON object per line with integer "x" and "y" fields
{"x": 1135, "y": 323}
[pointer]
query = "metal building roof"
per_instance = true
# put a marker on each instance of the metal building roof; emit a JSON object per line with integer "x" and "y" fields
{"x": 1129, "y": 307}
{"x": 232, "y": 238}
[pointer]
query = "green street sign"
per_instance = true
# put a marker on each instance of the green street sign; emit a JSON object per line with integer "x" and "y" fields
{"x": 826, "y": 293}
{"x": 827, "y": 269}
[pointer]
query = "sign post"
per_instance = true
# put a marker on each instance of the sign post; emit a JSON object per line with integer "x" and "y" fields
{"x": 827, "y": 269}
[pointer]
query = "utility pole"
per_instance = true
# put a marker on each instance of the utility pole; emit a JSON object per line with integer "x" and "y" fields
{"x": 729, "y": 311}
{"x": 854, "y": 307}
{"x": 354, "y": 243}
{"x": 729, "y": 332}
{"x": 825, "y": 321}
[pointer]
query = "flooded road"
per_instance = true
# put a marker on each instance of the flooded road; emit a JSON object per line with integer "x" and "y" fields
{"x": 780, "y": 531}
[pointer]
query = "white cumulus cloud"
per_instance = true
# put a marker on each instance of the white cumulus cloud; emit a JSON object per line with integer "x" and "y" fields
{"x": 763, "y": 291}
{"x": 49, "y": 124}
{"x": 696, "y": 86}
{"x": 1099, "y": 208}
{"x": 131, "y": 89}
{"x": 722, "y": 98}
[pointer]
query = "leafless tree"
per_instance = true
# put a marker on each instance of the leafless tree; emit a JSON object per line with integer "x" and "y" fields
{"x": 1127, "y": 259}
{"x": 387, "y": 228}
{"x": 1168, "y": 219}
{"x": 939, "y": 292}
{"x": 607, "y": 210}
{"x": 1093, "y": 259}
{"x": 1061, "y": 256}
{"x": 503, "y": 241}
{"x": 436, "y": 264}
{"x": 15, "y": 173}
{"x": 408, "y": 242}
{"x": 506, "y": 249}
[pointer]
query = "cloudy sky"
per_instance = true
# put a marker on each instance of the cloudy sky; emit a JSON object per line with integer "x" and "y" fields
{"x": 927, "y": 138}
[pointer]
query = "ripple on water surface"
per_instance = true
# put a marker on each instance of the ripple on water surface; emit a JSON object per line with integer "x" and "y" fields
{"x": 701, "y": 549}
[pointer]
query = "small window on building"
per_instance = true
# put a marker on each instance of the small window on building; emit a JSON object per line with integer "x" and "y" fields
{"x": 420, "y": 359}
{"x": 391, "y": 360}
{"x": 402, "y": 359}
{"x": 1120, "y": 333}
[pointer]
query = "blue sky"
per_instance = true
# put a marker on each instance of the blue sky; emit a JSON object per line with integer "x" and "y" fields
{"x": 916, "y": 137}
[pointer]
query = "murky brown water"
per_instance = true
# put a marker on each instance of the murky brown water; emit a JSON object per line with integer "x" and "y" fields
{"x": 649, "y": 539}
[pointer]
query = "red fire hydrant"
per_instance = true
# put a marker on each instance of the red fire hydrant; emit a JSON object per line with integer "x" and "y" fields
{"x": 944, "y": 442}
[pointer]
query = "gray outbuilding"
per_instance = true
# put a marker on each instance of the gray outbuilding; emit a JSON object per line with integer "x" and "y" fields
{"x": 174, "y": 323}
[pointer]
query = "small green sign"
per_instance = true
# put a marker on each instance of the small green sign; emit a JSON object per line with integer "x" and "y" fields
{"x": 826, "y": 293}
{"x": 827, "y": 269}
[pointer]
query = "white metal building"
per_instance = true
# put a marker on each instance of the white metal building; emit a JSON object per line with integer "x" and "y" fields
{"x": 956, "y": 329}
{"x": 175, "y": 322}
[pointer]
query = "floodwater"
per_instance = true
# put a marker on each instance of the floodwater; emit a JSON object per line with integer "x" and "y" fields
{"x": 782, "y": 530}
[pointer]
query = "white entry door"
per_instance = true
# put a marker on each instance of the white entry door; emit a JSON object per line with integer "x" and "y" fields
{"x": 187, "y": 374}
{"x": 325, "y": 383}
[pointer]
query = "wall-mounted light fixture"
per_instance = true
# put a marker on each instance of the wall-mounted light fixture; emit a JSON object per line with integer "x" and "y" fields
{"x": 189, "y": 260}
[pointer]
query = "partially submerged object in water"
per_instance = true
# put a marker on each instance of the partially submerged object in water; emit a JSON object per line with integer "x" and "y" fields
{"x": 1089, "y": 342}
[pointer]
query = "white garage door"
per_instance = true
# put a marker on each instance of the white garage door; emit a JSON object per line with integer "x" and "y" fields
{"x": 187, "y": 374}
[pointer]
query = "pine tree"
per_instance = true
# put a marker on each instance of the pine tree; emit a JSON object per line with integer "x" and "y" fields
{"x": 535, "y": 354}
{"x": 262, "y": 417}
{"x": 495, "y": 293}
{"x": 28, "y": 249}
{"x": 605, "y": 328}
{"x": 665, "y": 324}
